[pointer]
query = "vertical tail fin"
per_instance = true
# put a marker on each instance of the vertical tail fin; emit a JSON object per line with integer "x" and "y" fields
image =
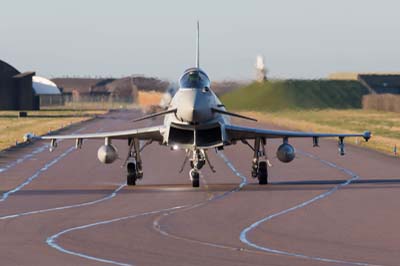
{"x": 198, "y": 46}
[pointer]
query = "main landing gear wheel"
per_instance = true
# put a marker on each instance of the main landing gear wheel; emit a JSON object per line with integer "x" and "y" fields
{"x": 131, "y": 177}
{"x": 195, "y": 177}
{"x": 262, "y": 173}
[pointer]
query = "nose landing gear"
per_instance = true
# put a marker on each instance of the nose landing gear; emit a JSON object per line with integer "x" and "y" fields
{"x": 198, "y": 158}
{"x": 197, "y": 162}
{"x": 195, "y": 177}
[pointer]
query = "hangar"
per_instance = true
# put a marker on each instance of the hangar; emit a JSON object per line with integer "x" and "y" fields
{"x": 48, "y": 92}
{"x": 22, "y": 91}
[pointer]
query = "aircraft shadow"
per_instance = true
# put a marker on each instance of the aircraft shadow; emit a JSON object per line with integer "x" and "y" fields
{"x": 305, "y": 185}
{"x": 326, "y": 184}
{"x": 337, "y": 181}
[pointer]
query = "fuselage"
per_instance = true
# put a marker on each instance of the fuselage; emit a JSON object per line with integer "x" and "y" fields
{"x": 194, "y": 124}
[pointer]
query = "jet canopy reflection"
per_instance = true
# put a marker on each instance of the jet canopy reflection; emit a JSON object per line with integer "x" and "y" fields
{"x": 194, "y": 78}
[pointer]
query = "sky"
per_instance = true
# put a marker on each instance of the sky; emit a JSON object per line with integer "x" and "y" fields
{"x": 298, "y": 38}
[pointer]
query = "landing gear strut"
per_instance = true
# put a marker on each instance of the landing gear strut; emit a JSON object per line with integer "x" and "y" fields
{"x": 197, "y": 162}
{"x": 133, "y": 163}
{"x": 259, "y": 168}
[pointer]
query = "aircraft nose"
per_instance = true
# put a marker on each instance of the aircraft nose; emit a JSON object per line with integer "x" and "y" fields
{"x": 194, "y": 107}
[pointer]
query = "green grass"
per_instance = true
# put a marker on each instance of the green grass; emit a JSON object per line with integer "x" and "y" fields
{"x": 319, "y": 106}
{"x": 12, "y": 128}
{"x": 296, "y": 94}
{"x": 385, "y": 126}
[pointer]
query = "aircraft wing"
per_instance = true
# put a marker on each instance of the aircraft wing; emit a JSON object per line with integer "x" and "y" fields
{"x": 241, "y": 133}
{"x": 148, "y": 133}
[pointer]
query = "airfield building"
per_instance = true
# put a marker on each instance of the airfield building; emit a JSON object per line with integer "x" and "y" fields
{"x": 108, "y": 89}
{"x": 25, "y": 91}
{"x": 16, "y": 92}
{"x": 376, "y": 83}
{"x": 48, "y": 92}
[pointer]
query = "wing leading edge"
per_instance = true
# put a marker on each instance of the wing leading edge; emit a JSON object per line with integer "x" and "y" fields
{"x": 240, "y": 133}
{"x": 148, "y": 133}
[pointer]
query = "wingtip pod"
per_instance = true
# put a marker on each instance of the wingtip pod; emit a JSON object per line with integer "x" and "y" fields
{"x": 367, "y": 135}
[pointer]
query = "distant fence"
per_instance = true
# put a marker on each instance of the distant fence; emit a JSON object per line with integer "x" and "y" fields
{"x": 382, "y": 102}
{"x": 51, "y": 100}
{"x": 97, "y": 98}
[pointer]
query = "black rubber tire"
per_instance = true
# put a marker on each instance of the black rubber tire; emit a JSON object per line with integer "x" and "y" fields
{"x": 131, "y": 179}
{"x": 196, "y": 183}
{"x": 195, "y": 179}
{"x": 131, "y": 167}
{"x": 131, "y": 176}
{"x": 262, "y": 173}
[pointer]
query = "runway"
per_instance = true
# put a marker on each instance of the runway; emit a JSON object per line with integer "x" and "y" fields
{"x": 66, "y": 208}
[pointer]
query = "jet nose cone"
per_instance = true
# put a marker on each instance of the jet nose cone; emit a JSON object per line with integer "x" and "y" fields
{"x": 196, "y": 115}
{"x": 185, "y": 114}
{"x": 194, "y": 108}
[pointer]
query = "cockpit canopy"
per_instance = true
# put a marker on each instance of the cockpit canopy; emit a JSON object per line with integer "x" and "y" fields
{"x": 194, "y": 78}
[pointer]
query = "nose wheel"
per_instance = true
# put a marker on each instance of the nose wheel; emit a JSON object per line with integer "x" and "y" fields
{"x": 195, "y": 177}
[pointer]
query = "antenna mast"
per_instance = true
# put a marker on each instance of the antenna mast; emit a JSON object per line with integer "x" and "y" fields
{"x": 198, "y": 46}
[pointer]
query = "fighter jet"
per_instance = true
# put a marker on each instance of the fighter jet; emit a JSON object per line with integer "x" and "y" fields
{"x": 196, "y": 121}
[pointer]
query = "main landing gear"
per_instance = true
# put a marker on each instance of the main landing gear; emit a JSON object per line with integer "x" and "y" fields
{"x": 133, "y": 163}
{"x": 259, "y": 168}
{"x": 132, "y": 175}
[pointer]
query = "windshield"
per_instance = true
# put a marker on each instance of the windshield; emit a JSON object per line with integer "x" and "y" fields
{"x": 194, "y": 79}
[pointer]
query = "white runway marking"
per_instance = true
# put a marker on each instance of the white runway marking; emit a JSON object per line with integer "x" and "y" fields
{"x": 112, "y": 195}
{"x": 41, "y": 170}
{"x": 36, "y": 174}
{"x": 157, "y": 222}
{"x": 243, "y": 234}
{"x": 51, "y": 241}
{"x": 84, "y": 204}
{"x": 233, "y": 169}
{"x": 243, "y": 237}
{"x": 32, "y": 154}
{"x": 24, "y": 158}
